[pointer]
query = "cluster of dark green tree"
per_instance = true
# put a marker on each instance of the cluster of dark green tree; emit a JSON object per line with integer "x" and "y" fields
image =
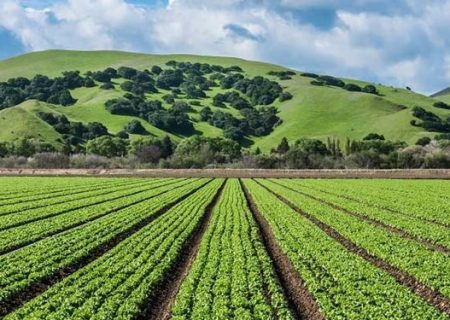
{"x": 256, "y": 122}
{"x": 42, "y": 88}
{"x": 259, "y": 90}
{"x": 282, "y": 75}
{"x": 190, "y": 81}
{"x": 174, "y": 119}
{"x": 430, "y": 121}
{"x": 336, "y": 82}
{"x": 74, "y": 134}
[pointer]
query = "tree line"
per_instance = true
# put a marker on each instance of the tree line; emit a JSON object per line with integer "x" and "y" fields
{"x": 372, "y": 152}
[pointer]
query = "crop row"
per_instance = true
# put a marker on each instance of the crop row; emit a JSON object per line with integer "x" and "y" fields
{"x": 232, "y": 270}
{"x": 41, "y": 260}
{"x": 413, "y": 203}
{"x": 345, "y": 285}
{"x": 117, "y": 284}
{"x": 430, "y": 267}
{"x": 20, "y": 187}
{"x": 47, "y": 193}
{"x": 412, "y": 225}
{"x": 94, "y": 198}
{"x": 432, "y": 188}
{"x": 28, "y": 233}
{"x": 27, "y": 208}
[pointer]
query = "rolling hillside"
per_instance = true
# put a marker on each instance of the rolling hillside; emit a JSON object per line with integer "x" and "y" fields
{"x": 443, "y": 95}
{"x": 314, "y": 111}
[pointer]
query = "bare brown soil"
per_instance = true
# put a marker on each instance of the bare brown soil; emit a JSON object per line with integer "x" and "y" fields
{"x": 300, "y": 300}
{"x": 432, "y": 296}
{"x": 159, "y": 305}
{"x": 237, "y": 173}
{"x": 41, "y": 286}
{"x": 400, "y": 232}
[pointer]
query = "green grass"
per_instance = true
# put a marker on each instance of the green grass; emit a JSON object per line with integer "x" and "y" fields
{"x": 445, "y": 98}
{"x": 21, "y": 121}
{"x": 318, "y": 112}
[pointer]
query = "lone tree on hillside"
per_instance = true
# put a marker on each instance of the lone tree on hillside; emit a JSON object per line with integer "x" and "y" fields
{"x": 283, "y": 147}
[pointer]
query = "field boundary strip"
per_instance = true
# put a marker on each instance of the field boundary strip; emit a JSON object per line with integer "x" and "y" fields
{"x": 84, "y": 222}
{"x": 399, "y": 231}
{"x": 159, "y": 306}
{"x": 433, "y": 297}
{"x": 300, "y": 300}
{"x": 41, "y": 286}
{"x": 239, "y": 173}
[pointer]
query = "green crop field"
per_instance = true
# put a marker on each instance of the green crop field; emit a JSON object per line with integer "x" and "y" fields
{"x": 314, "y": 111}
{"x": 204, "y": 248}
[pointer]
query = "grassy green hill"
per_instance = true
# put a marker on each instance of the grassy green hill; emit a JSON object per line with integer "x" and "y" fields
{"x": 443, "y": 95}
{"x": 314, "y": 111}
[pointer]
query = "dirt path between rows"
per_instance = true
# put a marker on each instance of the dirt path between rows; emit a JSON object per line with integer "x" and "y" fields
{"x": 404, "y": 234}
{"x": 300, "y": 300}
{"x": 159, "y": 306}
{"x": 41, "y": 286}
{"x": 433, "y": 297}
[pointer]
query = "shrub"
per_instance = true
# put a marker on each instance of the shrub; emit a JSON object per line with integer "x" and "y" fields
{"x": 309, "y": 75}
{"x": 156, "y": 70}
{"x": 370, "y": 89}
{"x": 82, "y": 161}
{"x": 51, "y": 160}
{"x": 126, "y": 72}
{"x": 169, "y": 98}
{"x": 89, "y": 83}
{"x": 317, "y": 83}
{"x": 169, "y": 78}
{"x": 423, "y": 141}
{"x": 122, "y": 134}
{"x": 284, "y": 96}
{"x": 107, "y": 86}
{"x": 135, "y": 127}
{"x": 195, "y": 103}
{"x": 441, "y": 105}
{"x": 352, "y": 87}
{"x": 373, "y": 136}
{"x": 332, "y": 81}
{"x": 181, "y": 106}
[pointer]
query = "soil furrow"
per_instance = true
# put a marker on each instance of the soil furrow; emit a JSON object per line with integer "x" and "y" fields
{"x": 84, "y": 222}
{"x": 41, "y": 286}
{"x": 159, "y": 305}
{"x": 433, "y": 297}
{"x": 404, "y": 234}
{"x": 300, "y": 300}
